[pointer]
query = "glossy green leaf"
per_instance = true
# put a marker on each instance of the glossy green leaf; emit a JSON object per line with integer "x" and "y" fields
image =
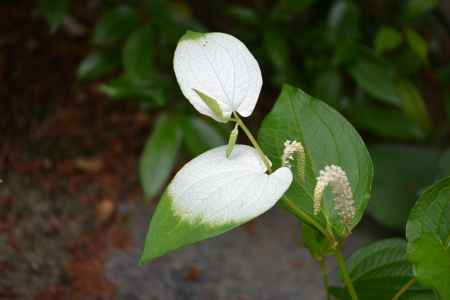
{"x": 115, "y": 25}
{"x": 387, "y": 38}
{"x": 200, "y": 135}
{"x": 417, "y": 44}
{"x": 160, "y": 153}
{"x": 376, "y": 78}
{"x": 428, "y": 235}
{"x": 379, "y": 270}
{"x": 413, "y": 103}
{"x": 122, "y": 88}
{"x": 389, "y": 123}
{"x": 54, "y": 11}
{"x": 98, "y": 63}
{"x": 328, "y": 139}
{"x": 400, "y": 174}
{"x": 138, "y": 55}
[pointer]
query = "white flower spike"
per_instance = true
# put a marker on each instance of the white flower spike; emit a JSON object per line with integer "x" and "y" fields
{"x": 291, "y": 148}
{"x": 340, "y": 186}
{"x": 217, "y": 66}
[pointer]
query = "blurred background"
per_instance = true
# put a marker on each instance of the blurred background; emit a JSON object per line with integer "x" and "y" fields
{"x": 93, "y": 124}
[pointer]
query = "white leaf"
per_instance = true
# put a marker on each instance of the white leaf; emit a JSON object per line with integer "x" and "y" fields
{"x": 220, "y": 66}
{"x": 212, "y": 189}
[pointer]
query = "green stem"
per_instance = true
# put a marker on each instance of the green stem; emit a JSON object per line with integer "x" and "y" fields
{"x": 324, "y": 272}
{"x": 404, "y": 288}
{"x": 254, "y": 142}
{"x": 302, "y": 215}
{"x": 343, "y": 269}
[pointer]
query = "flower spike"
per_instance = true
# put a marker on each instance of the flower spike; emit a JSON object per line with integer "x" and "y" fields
{"x": 291, "y": 148}
{"x": 343, "y": 196}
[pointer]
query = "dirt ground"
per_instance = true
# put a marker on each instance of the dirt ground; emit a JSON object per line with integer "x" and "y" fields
{"x": 72, "y": 219}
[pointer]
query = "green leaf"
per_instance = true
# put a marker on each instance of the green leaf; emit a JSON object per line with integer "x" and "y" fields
{"x": 159, "y": 155}
{"x": 413, "y": 103}
{"x": 328, "y": 86}
{"x": 376, "y": 78}
{"x": 232, "y": 140}
{"x": 168, "y": 231}
{"x": 387, "y": 38}
{"x": 400, "y": 173}
{"x": 97, "y": 64}
{"x": 212, "y": 105}
{"x": 379, "y": 270}
{"x": 210, "y": 195}
{"x": 328, "y": 139}
{"x": 138, "y": 55}
{"x": 122, "y": 88}
{"x": 277, "y": 49}
{"x": 389, "y": 123}
{"x": 417, "y": 44}
{"x": 115, "y": 25}
{"x": 315, "y": 242}
{"x": 428, "y": 235}
{"x": 200, "y": 135}
{"x": 417, "y": 8}
{"x": 54, "y": 11}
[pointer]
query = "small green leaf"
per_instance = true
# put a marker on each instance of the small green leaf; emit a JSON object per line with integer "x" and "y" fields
{"x": 54, "y": 11}
{"x": 428, "y": 235}
{"x": 376, "y": 78}
{"x": 379, "y": 270}
{"x": 413, "y": 103}
{"x": 97, "y": 64}
{"x": 212, "y": 104}
{"x": 417, "y": 8}
{"x": 327, "y": 139}
{"x": 389, "y": 123}
{"x": 138, "y": 55}
{"x": 200, "y": 135}
{"x": 160, "y": 152}
{"x": 400, "y": 173}
{"x": 115, "y": 25}
{"x": 122, "y": 88}
{"x": 417, "y": 44}
{"x": 232, "y": 140}
{"x": 387, "y": 38}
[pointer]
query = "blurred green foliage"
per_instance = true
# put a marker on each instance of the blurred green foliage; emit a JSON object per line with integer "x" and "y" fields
{"x": 383, "y": 64}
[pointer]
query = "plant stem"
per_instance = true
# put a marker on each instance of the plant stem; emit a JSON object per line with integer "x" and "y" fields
{"x": 302, "y": 215}
{"x": 323, "y": 270}
{"x": 404, "y": 288}
{"x": 254, "y": 142}
{"x": 343, "y": 269}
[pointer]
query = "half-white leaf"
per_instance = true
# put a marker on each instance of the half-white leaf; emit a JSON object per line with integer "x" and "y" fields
{"x": 221, "y": 67}
{"x": 212, "y": 194}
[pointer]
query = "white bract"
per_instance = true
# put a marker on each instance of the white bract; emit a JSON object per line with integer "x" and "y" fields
{"x": 213, "y": 189}
{"x": 219, "y": 66}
